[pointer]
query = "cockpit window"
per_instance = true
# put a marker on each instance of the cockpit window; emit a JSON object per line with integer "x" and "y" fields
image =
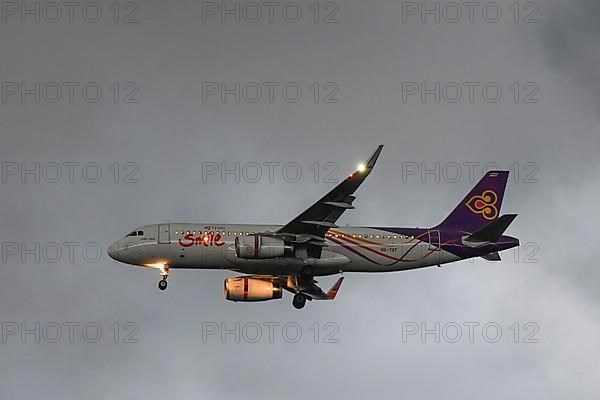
{"x": 140, "y": 233}
{"x": 134, "y": 233}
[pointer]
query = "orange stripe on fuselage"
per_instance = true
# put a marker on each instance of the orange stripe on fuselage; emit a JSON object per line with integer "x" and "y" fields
{"x": 396, "y": 259}
{"x": 342, "y": 235}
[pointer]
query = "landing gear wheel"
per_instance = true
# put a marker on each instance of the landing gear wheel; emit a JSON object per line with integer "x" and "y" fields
{"x": 162, "y": 284}
{"x": 164, "y": 272}
{"x": 299, "y": 300}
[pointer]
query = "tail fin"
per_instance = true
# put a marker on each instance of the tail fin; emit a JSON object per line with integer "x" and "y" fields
{"x": 480, "y": 206}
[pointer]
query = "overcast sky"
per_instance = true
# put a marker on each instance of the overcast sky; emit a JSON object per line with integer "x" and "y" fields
{"x": 150, "y": 102}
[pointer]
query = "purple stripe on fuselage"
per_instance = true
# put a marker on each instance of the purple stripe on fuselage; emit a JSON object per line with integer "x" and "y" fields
{"x": 451, "y": 241}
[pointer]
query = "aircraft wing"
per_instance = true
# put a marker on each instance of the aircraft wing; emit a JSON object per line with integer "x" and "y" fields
{"x": 308, "y": 286}
{"x": 311, "y": 225}
{"x": 315, "y": 292}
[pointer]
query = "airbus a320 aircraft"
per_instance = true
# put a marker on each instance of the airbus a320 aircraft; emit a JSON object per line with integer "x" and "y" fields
{"x": 276, "y": 258}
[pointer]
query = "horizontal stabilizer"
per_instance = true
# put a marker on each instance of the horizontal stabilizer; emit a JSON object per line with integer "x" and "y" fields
{"x": 325, "y": 224}
{"x": 492, "y": 231}
{"x": 492, "y": 256}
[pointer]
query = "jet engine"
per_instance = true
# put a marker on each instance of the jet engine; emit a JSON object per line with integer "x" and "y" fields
{"x": 257, "y": 246}
{"x": 250, "y": 289}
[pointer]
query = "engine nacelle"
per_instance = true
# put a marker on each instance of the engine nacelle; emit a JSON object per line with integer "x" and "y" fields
{"x": 249, "y": 289}
{"x": 257, "y": 246}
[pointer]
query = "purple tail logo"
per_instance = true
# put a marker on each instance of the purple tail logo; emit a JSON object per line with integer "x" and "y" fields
{"x": 480, "y": 206}
{"x": 484, "y": 204}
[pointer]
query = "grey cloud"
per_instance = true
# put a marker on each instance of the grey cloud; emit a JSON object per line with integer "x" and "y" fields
{"x": 170, "y": 132}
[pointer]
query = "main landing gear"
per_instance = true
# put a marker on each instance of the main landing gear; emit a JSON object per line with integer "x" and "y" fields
{"x": 164, "y": 272}
{"x": 299, "y": 300}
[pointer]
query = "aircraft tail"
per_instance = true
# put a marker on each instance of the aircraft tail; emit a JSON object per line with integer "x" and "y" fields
{"x": 481, "y": 206}
{"x": 492, "y": 231}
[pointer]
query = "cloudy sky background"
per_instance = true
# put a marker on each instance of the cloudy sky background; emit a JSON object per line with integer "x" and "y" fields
{"x": 170, "y": 132}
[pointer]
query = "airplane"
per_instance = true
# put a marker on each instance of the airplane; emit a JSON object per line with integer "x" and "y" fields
{"x": 274, "y": 258}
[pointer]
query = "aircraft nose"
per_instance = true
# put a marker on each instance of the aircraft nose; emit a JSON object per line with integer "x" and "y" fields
{"x": 113, "y": 250}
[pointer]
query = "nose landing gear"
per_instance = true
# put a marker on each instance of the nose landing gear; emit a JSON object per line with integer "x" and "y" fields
{"x": 164, "y": 272}
{"x": 162, "y": 284}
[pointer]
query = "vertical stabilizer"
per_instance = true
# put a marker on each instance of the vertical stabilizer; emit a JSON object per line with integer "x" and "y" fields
{"x": 481, "y": 206}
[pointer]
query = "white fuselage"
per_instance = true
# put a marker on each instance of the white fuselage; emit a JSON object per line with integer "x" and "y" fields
{"x": 211, "y": 246}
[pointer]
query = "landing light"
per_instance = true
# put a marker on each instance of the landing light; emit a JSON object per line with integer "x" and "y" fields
{"x": 361, "y": 167}
{"x": 158, "y": 265}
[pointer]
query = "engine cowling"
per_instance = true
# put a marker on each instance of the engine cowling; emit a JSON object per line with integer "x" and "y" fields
{"x": 249, "y": 289}
{"x": 258, "y": 246}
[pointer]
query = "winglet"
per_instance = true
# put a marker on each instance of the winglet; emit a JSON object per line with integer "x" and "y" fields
{"x": 371, "y": 161}
{"x": 334, "y": 289}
